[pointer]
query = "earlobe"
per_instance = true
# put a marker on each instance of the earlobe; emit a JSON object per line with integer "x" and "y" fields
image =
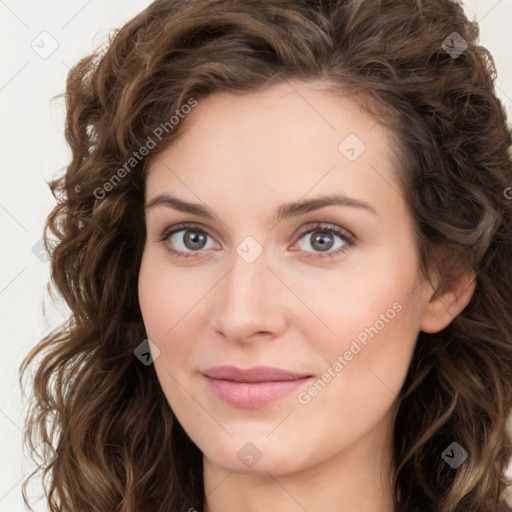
{"x": 441, "y": 309}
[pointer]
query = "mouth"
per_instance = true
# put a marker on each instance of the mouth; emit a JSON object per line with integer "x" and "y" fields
{"x": 255, "y": 387}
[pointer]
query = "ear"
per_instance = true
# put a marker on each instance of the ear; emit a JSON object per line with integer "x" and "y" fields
{"x": 442, "y": 308}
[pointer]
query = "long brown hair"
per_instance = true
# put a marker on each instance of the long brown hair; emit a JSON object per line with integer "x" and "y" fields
{"x": 118, "y": 446}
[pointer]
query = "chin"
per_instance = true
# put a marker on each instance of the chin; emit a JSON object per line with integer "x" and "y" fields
{"x": 254, "y": 458}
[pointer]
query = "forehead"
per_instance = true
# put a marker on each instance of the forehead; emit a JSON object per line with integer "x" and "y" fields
{"x": 287, "y": 141}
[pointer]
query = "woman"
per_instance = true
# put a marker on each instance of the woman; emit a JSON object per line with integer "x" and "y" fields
{"x": 285, "y": 240}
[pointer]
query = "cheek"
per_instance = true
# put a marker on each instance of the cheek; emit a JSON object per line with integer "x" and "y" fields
{"x": 162, "y": 305}
{"x": 153, "y": 300}
{"x": 374, "y": 304}
{"x": 172, "y": 310}
{"x": 164, "y": 296}
{"x": 374, "y": 321}
{"x": 361, "y": 379}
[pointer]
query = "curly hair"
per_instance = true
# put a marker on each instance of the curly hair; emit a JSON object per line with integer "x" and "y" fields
{"x": 118, "y": 445}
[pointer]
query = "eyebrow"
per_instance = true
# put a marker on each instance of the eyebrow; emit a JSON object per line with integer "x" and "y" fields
{"x": 285, "y": 211}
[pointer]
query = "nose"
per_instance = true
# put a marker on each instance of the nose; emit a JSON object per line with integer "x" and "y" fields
{"x": 251, "y": 301}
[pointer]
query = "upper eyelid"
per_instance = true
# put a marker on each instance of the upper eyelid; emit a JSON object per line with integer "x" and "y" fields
{"x": 183, "y": 227}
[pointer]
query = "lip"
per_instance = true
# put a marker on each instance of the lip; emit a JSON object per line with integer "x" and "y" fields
{"x": 253, "y": 387}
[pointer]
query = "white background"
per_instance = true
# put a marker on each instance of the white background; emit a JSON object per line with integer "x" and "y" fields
{"x": 33, "y": 148}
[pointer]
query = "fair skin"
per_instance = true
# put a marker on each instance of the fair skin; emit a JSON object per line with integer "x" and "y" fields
{"x": 293, "y": 307}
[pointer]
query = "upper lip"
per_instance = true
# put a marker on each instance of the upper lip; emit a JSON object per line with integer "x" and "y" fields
{"x": 255, "y": 374}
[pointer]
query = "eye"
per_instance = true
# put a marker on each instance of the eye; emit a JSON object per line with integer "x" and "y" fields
{"x": 324, "y": 240}
{"x": 188, "y": 238}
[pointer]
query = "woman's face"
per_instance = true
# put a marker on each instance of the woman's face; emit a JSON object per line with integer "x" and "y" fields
{"x": 266, "y": 277}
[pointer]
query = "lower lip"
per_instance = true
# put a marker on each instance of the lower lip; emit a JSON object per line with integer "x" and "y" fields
{"x": 253, "y": 394}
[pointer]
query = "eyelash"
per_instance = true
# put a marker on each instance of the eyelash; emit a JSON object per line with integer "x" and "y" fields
{"x": 323, "y": 227}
